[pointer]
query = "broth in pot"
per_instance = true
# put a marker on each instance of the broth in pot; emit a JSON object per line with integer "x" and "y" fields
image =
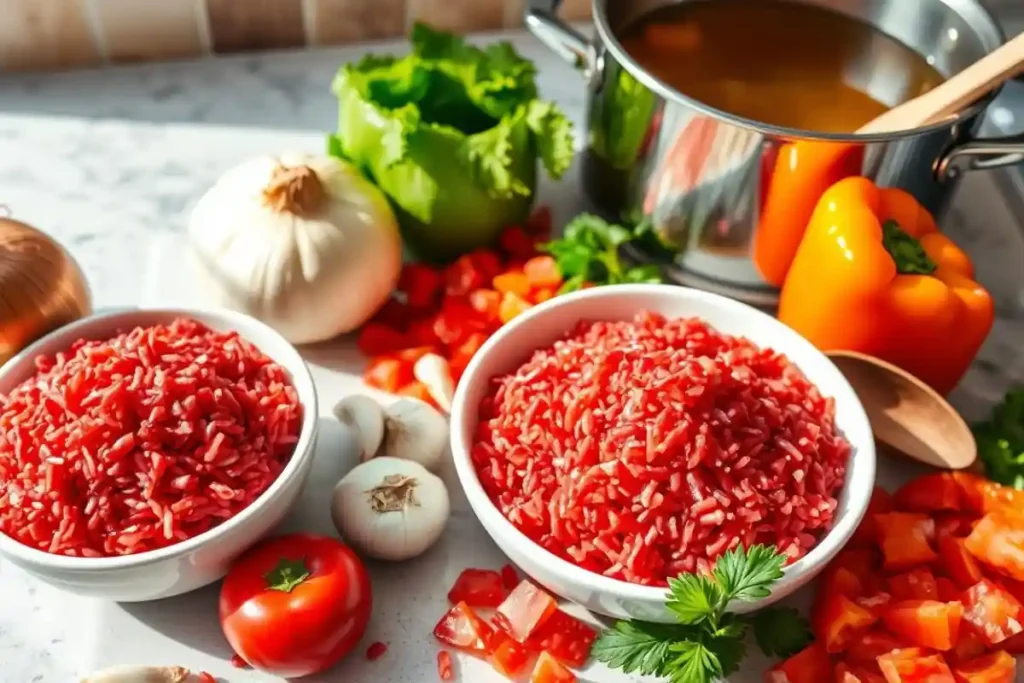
{"x": 779, "y": 62}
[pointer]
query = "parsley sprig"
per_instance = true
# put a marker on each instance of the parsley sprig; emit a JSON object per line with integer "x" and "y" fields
{"x": 588, "y": 252}
{"x": 708, "y": 642}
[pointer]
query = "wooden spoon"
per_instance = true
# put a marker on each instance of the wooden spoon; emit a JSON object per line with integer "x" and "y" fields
{"x": 906, "y": 414}
{"x": 956, "y": 94}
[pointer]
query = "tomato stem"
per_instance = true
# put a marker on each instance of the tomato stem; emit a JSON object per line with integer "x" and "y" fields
{"x": 286, "y": 575}
{"x": 906, "y": 251}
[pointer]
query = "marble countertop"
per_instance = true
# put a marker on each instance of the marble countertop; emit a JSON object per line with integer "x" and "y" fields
{"x": 109, "y": 161}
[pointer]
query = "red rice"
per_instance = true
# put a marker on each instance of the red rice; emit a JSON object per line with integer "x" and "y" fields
{"x": 142, "y": 441}
{"x": 641, "y": 450}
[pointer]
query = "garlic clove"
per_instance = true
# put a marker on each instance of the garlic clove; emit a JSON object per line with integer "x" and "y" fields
{"x": 414, "y": 430}
{"x": 366, "y": 417}
{"x": 139, "y": 674}
{"x": 435, "y": 373}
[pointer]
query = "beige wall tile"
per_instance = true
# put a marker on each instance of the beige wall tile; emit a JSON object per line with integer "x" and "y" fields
{"x": 141, "y": 31}
{"x": 244, "y": 25}
{"x": 348, "y": 21}
{"x": 459, "y": 15}
{"x": 46, "y": 34}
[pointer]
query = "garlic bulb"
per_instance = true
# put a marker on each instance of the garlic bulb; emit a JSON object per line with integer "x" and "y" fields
{"x": 413, "y": 430}
{"x": 41, "y": 287}
{"x": 139, "y": 674}
{"x": 304, "y": 243}
{"x": 390, "y": 509}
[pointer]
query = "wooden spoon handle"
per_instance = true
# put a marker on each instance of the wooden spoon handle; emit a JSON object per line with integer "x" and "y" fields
{"x": 954, "y": 95}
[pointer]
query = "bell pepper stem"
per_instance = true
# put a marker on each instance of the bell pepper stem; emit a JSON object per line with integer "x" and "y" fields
{"x": 906, "y": 251}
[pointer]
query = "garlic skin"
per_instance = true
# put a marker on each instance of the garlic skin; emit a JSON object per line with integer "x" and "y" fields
{"x": 304, "y": 243}
{"x": 365, "y": 417}
{"x": 414, "y": 430}
{"x": 390, "y": 509}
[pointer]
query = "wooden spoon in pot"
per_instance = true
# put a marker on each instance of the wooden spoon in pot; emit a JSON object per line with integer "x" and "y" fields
{"x": 955, "y": 94}
{"x": 906, "y": 414}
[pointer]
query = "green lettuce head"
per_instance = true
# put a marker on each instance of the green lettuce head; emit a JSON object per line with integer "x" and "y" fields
{"x": 452, "y": 133}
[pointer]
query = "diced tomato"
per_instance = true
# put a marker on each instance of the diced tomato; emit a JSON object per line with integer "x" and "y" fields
{"x": 851, "y": 673}
{"x": 995, "y": 667}
{"x": 376, "y": 339}
{"x": 929, "y": 493}
{"x": 969, "y": 645}
{"x": 868, "y": 647}
{"x": 464, "y": 352}
{"x": 1014, "y": 644}
{"x": 419, "y": 391}
{"x": 388, "y": 374}
{"x": 487, "y": 263}
{"x": 517, "y": 243}
{"x": 810, "y": 665}
{"x": 478, "y": 588}
{"x": 925, "y": 623}
{"x": 462, "y": 277}
{"x": 512, "y": 305}
{"x": 444, "y": 666}
{"x": 542, "y": 294}
{"x": 421, "y": 331}
{"x": 917, "y": 584}
{"x": 914, "y": 665}
{"x": 948, "y": 591}
{"x": 861, "y": 562}
{"x": 1011, "y": 586}
{"x": 414, "y": 353}
{"x": 866, "y": 533}
{"x": 838, "y": 620}
{"x": 998, "y": 541}
{"x": 464, "y": 630}
{"x": 524, "y": 611}
{"x": 905, "y": 539}
{"x": 874, "y": 602}
{"x": 565, "y": 637}
{"x": 953, "y": 524}
{"x": 512, "y": 283}
{"x": 539, "y": 222}
{"x": 393, "y": 314}
{"x": 456, "y": 321}
{"x": 957, "y": 562}
{"x": 549, "y": 670}
{"x": 510, "y": 658}
{"x": 421, "y": 285}
{"x": 486, "y": 302}
{"x": 509, "y": 577}
{"x": 982, "y": 496}
{"x": 992, "y": 611}
{"x": 840, "y": 580}
{"x": 205, "y": 677}
{"x": 542, "y": 271}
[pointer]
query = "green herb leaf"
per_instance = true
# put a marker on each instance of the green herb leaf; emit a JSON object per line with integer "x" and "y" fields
{"x": 287, "y": 575}
{"x": 729, "y": 650}
{"x": 747, "y": 574}
{"x": 636, "y": 647}
{"x": 589, "y": 252}
{"x": 553, "y": 132}
{"x": 781, "y": 631}
{"x": 1001, "y": 441}
{"x": 694, "y": 599}
{"x": 694, "y": 663}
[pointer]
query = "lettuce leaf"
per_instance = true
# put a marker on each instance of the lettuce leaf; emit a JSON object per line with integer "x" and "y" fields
{"x": 453, "y": 134}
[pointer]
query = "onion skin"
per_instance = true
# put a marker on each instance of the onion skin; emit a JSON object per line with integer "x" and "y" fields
{"x": 41, "y": 287}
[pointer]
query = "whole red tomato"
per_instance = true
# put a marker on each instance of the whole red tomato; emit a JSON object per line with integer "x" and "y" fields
{"x": 295, "y": 605}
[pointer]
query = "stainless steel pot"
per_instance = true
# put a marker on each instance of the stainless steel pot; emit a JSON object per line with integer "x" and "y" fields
{"x": 699, "y": 176}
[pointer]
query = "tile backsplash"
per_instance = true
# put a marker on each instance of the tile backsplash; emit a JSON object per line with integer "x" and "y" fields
{"x": 64, "y": 34}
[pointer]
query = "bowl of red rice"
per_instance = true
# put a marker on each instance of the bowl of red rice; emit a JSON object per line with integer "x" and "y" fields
{"x": 611, "y": 439}
{"x": 142, "y": 451}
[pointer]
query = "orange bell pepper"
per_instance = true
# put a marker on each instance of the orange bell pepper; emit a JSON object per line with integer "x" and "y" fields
{"x": 797, "y": 177}
{"x": 873, "y": 274}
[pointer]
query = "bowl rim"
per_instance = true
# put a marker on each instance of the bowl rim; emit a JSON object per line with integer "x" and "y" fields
{"x": 247, "y": 327}
{"x": 463, "y": 416}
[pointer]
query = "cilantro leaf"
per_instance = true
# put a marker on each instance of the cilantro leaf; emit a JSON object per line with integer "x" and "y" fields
{"x": 636, "y": 646}
{"x": 781, "y": 631}
{"x": 747, "y": 574}
{"x": 588, "y": 251}
{"x": 694, "y": 598}
{"x": 1001, "y": 441}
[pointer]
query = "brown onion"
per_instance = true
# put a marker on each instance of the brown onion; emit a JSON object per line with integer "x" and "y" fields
{"x": 41, "y": 287}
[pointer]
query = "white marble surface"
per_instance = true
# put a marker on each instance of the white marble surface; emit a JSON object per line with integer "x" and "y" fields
{"x": 108, "y": 161}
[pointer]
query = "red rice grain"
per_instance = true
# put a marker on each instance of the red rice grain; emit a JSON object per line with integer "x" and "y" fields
{"x": 142, "y": 441}
{"x": 641, "y": 450}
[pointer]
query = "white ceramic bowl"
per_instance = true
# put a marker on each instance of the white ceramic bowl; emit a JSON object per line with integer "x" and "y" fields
{"x": 544, "y": 324}
{"x": 205, "y": 558}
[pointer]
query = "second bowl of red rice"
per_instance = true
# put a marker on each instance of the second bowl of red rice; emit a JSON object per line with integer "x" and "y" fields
{"x": 141, "y": 451}
{"x": 613, "y": 438}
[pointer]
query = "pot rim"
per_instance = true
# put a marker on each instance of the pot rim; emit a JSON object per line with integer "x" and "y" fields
{"x": 612, "y": 45}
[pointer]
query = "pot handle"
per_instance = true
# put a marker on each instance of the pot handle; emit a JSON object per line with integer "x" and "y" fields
{"x": 980, "y": 155}
{"x": 541, "y": 17}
